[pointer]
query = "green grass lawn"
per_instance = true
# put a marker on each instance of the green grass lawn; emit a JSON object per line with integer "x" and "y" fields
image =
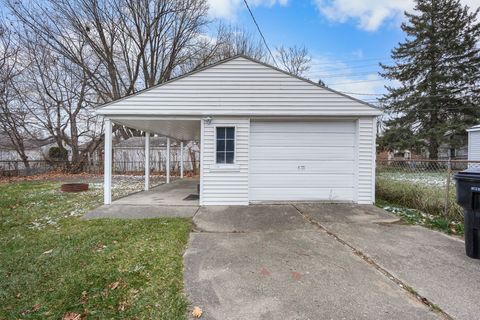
{"x": 416, "y": 217}
{"x": 53, "y": 263}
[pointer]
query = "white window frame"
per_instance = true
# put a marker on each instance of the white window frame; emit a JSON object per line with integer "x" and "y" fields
{"x": 234, "y": 145}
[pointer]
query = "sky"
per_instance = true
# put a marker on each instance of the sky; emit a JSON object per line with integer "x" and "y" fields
{"x": 345, "y": 38}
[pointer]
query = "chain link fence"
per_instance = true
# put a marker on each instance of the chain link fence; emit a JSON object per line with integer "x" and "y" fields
{"x": 426, "y": 185}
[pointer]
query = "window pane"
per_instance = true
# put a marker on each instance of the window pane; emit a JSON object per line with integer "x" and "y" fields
{"x": 220, "y": 145}
{"x": 230, "y": 133}
{"x": 229, "y": 157}
{"x": 225, "y": 151}
{"x": 220, "y": 157}
{"x": 230, "y": 145}
{"x": 220, "y": 133}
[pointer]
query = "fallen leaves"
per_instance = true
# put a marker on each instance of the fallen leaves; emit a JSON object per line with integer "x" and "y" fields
{"x": 265, "y": 272}
{"x": 114, "y": 285}
{"x": 197, "y": 312}
{"x": 100, "y": 247}
{"x": 71, "y": 316}
{"x": 35, "y": 308}
{"x": 452, "y": 228}
{"x": 296, "y": 275}
{"x": 123, "y": 305}
{"x": 51, "y": 176}
{"x": 84, "y": 297}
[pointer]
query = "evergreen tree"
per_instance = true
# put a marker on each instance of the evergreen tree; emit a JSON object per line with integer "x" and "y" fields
{"x": 438, "y": 68}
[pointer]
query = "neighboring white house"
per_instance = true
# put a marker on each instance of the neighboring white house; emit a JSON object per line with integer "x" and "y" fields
{"x": 474, "y": 143}
{"x": 265, "y": 135}
{"x": 34, "y": 149}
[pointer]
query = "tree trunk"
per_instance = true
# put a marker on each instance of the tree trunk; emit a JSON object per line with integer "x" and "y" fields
{"x": 193, "y": 160}
{"x": 26, "y": 164}
{"x": 433, "y": 149}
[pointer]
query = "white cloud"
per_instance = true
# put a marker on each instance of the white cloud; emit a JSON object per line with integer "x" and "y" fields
{"x": 370, "y": 14}
{"x": 227, "y": 9}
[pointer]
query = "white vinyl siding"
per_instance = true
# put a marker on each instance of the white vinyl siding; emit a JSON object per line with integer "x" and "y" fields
{"x": 238, "y": 87}
{"x": 474, "y": 145}
{"x": 225, "y": 184}
{"x": 302, "y": 161}
{"x": 366, "y": 160}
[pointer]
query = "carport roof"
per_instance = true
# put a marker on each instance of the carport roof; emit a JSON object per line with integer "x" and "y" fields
{"x": 179, "y": 129}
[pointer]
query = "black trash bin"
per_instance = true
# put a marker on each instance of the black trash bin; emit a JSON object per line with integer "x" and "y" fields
{"x": 468, "y": 197}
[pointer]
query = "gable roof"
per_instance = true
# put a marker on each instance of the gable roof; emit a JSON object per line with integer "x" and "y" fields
{"x": 238, "y": 86}
{"x": 29, "y": 144}
{"x": 474, "y": 128}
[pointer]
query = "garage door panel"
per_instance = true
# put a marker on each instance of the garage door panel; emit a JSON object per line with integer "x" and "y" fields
{"x": 265, "y": 139}
{"x": 291, "y": 166}
{"x": 301, "y": 153}
{"x": 307, "y": 127}
{"x": 302, "y": 194}
{"x": 302, "y": 161}
{"x": 301, "y": 180}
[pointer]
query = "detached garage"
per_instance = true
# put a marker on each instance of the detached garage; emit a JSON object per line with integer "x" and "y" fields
{"x": 264, "y": 135}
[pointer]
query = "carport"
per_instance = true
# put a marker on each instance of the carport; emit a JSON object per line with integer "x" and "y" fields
{"x": 182, "y": 130}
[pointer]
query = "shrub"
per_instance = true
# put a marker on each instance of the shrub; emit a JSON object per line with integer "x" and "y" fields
{"x": 57, "y": 153}
{"x": 430, "y": 200}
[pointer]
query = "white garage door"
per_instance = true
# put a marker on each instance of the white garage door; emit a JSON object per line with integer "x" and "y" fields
{"x": 301, "y": 161}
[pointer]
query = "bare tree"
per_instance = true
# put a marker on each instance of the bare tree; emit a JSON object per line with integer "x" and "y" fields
{"x": 233, "y": 40}
{"x": 13, "y": 118}
{"x": 59, "y": 98}
{"x": 294, "y": 60}
{"x": 83, "y": 53}
{"x": 122, "y": 46}
{"x": 229, "y": 41}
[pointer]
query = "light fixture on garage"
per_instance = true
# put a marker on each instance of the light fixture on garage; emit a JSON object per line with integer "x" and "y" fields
{"x": 208, "y": 120}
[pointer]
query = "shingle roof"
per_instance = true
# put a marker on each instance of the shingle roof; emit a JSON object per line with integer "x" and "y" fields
{"x": 6, "y": 143}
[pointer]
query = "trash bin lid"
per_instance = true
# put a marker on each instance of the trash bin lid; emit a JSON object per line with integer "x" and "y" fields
{"x": 472, "y": 170}
{"x": 470, "y": 173}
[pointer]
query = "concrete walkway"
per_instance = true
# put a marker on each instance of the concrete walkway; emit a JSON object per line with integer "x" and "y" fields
{"x": 166, "y": 200}
{"x": 432, "y": 263}
{"x": 270, "y": 262}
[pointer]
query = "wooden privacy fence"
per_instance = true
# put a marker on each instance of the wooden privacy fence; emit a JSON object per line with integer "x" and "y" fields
{"x": 14, "y": 168}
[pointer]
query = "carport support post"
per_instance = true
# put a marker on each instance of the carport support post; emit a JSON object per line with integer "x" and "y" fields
{"x": 181, "y": 159}
{"x": 167, "y": 164}
{"x": 107, "y": 163}
{"x": 147, "y": 161}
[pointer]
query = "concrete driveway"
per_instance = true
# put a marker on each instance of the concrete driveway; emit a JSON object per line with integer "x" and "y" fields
{"x": 320, "y": 261}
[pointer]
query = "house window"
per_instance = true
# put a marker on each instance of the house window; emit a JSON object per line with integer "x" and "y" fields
{"x": 225, "y": 145}
{"x": 453, "y": 153}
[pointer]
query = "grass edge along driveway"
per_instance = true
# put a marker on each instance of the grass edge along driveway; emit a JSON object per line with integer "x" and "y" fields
{"x": 53, "y": 264}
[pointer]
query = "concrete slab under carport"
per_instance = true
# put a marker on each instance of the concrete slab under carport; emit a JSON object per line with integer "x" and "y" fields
{"x": 166, "y": 200}
{"x": 167, "y": 194}
{"x": 268, "y": 262}
{"x": 432, "y": 263}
